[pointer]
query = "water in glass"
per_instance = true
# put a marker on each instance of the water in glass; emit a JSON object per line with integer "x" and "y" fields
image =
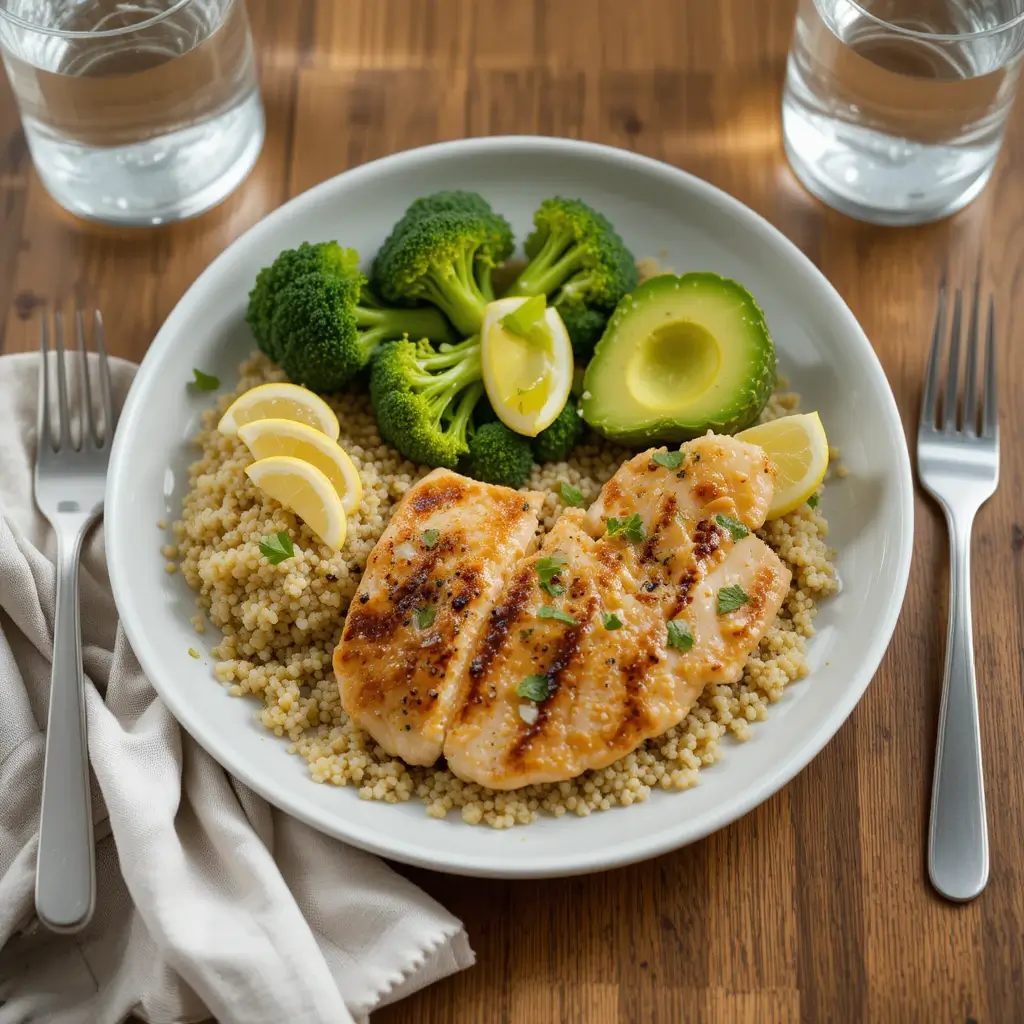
{"x": 155, "y": 122}
{"x": 894, "y": 110}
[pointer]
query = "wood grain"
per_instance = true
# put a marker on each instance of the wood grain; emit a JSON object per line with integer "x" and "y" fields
{"x": 815, "y": 907}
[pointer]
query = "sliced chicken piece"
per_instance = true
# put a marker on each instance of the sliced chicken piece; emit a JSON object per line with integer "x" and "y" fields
{"x": 609, "y": 688}
{"x": 423, "y": 601}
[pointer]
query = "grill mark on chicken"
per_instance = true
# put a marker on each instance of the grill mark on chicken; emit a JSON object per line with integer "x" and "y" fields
{"x": 502, "y": 617}
{"x": 757, "y": 594}
{"x": 567, "y": 648}
{"x": 706, "y": 539}
{"x": 435, "y": 497}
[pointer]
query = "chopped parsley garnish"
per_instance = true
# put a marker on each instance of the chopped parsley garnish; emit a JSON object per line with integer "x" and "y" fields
{"x": 547, "y": 611}
{"x": 277, "y": 547}
{"x": 679, "y": 635}
{"x": 571, "y": 495}
{"x": 813, "y": 500}
{"x": 731, "y": 598}
{"x": 430, "y": 538}
{"x": 611, "y": 621}
{"x": 528, "y": 321}
{"x": 632, "y": 528}
{"x": 670, "y": 460}
{"x": 734, "y": 527}
{"x": 547, "y": 571}
{"x": 205, "y": 381}
{"x": 424, "y": 616}
{"x": 534, "y": 688}
{"x": 524, "y": 634}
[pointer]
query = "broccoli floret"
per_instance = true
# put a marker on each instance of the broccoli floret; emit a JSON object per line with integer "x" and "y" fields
{"x": 446, "y": 258}
{"x": 498, "y": 455}
{"x": 575, "y": 255}
{"x": 289, "y": 266}
{"x": 325, "y": 328}
{"x": 555, "y": 442}
{"x": 424, "y": 399}
{"x": 584, "y": 325}
{"x": 452, "y": 201}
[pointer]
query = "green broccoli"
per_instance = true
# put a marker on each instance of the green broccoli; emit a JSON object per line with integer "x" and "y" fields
{"x": 575, "y": 256}
{"x": 498, "y": 455}
{"x": 446, "y": 258}
{"x": 289, "y": 266}
{"x": 555, "y": 442}
{"x": 452, "y": 201}
{"x": 424, "y": 399}
{"x": 584, "y": 325}
{"x": 325, "y": 328}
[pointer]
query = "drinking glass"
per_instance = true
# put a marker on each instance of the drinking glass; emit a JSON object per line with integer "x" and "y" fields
{"x": 135, "y": 113}
{"x": 894, "y": 110}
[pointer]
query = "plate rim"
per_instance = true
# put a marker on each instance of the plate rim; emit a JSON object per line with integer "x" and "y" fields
{"x": 554, "y": 865}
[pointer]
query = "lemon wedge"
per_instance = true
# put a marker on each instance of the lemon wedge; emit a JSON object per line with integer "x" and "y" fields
{"x": 282, "y": 402}
{"x": 265, "y": 438}
{"x": 528, "y": 379}
{"x": 304, "y": 490}
{"x": 798, "y": 447}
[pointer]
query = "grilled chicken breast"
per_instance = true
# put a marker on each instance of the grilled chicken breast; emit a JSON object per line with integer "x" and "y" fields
{"x": 424, "y": 599}
{"x": 603, "y": 692}
{"x": 608, "y": 689}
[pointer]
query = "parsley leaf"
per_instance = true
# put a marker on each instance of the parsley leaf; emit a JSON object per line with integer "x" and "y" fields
{"x": 670, "y": 459}
{"x": 547, "y": 611}
{"x": 632, "y": 528}
{"x": 734, "y": 527}
{"x": 813, "y": 500}
{"x": 679, "y": 635}
{"x": 731, "y": 598}
{"x": 424, "y": 616}
{"x": 548, "y": 569}
{"x": 277, "y": 547}
{"x": 205, "y": 381}
{"x": 571, "y": 495}
{"x": 524, "y": 634}
{"x": 430, "y": 538}
{"x": 534, "y": 688}
{"x": 527, "y": 321}
{"x": 611, "y": 621}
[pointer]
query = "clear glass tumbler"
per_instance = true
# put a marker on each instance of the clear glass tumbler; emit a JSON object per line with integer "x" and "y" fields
{"x": 894, "y": 110}
{"x": 135, "y": 113}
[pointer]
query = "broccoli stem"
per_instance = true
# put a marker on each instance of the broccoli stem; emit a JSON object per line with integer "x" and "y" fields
{"x": 455, "y": 291}
{"x": 440, "y": 389}
{"x": 557, "y": 259}
{"x": 394, "y": 323}
{"x": 464, "y": 411}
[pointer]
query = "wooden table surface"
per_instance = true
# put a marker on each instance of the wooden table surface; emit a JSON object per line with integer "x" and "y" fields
{"x": 816, "y": 906}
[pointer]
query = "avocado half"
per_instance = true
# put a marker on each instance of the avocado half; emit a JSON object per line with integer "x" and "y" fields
{"x": 680, "y": 356}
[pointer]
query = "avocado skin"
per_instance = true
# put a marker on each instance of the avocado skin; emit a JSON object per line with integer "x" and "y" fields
{"x": 743, "y": 407}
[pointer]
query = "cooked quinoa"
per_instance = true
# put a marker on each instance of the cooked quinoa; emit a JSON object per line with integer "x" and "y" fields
{"x": 280, "y": 623}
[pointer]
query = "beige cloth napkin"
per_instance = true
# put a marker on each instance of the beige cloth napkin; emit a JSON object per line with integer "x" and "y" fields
{"x": 209, "y": 901}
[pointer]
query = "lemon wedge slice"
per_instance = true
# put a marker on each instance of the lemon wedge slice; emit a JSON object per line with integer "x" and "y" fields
{"x": 304, "y": 490}
{"x": 798, "y": 447}
{"x": 528, "y": 379}
{"x": 282, "y": 402}
{"x": 265, "y": 438}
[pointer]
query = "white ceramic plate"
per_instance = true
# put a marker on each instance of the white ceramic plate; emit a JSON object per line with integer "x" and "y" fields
{"x": 659, "y": 210}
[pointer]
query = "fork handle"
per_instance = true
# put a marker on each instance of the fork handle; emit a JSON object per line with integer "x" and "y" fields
{"x": 65, "y": 870}
{"x": 958, "y": 832}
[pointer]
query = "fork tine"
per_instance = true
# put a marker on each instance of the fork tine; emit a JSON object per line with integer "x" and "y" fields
{"x": 63, "y": 410}
{"x": 971, "y": 374}
{"x": 88, "y": 416}
{"x": 952, "y": 391}
{"x": 930, "y": 398}
{"x": 105, "y": 390}
{"x": 44, "y": 431}
{"x": 990, "y": 410}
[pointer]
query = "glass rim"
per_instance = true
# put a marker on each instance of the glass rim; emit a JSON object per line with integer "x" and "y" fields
{"x": 942, "y": 37}
{"x": 106, "y": 33}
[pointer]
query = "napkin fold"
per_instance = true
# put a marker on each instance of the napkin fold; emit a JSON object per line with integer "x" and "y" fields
{"x": 210, "y": 902}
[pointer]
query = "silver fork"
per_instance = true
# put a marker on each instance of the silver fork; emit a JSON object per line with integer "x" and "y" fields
{"x": 70, "y": 476}
{"x": 958, "y": 464}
